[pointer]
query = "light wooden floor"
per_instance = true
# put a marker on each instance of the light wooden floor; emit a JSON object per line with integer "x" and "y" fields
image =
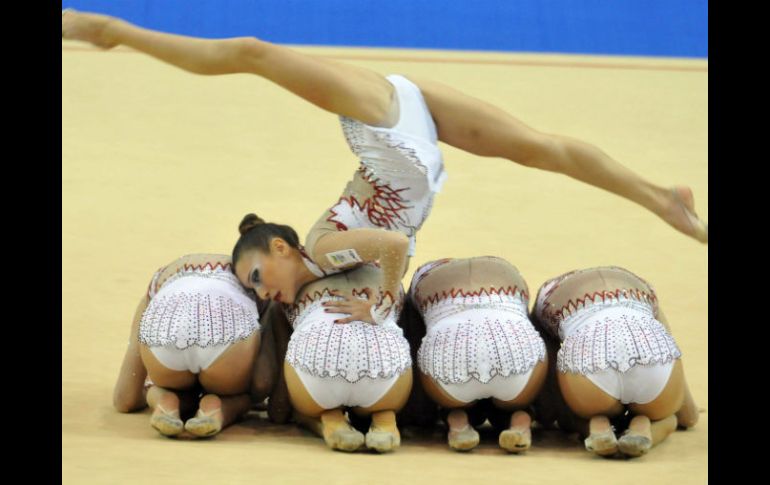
{"x": 157, "y": 163}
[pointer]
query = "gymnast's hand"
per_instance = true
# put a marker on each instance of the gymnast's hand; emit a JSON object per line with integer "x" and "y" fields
{"x": 359, "y": 309}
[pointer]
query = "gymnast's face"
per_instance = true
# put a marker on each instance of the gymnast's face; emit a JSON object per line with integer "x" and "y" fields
{"x": 271, "y": 275}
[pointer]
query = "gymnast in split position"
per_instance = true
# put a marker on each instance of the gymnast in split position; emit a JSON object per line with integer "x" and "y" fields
{"x": 393, "y": 124}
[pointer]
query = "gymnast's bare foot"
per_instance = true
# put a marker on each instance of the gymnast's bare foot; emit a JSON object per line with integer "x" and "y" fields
{"x": 87, "y": 27}
{"x": 679, "y": 211}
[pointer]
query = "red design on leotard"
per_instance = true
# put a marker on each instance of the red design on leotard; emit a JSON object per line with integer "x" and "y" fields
{"x": 552, "y": 319}
{"x": 199, "y": 267}
{"x": 573, "y": 305}
{"x": 455, "y": 292}
{"x": 310, "y": 297}
{"x": 383, "y": 209}
{"x": 156, "y": 284}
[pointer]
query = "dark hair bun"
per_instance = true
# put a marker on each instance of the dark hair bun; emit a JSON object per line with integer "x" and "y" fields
{"x": 250, "y": 221}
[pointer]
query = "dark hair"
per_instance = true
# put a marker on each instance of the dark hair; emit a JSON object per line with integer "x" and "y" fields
{"x": 419, "y": 410}
{"x": 257, "y": 234}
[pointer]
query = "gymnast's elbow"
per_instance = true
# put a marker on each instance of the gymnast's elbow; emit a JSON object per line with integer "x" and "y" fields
{"x": 393, "y": 241}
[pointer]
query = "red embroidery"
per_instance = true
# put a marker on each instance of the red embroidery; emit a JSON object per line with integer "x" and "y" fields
{"x": 547, "y": 316}
{"x": 362, "y": 292}
{"x": 382, "y": 209}
{"x": 309, "y": 298}
{"x": 197, "y": 267}
{"x": 455, "y": 292}
{"x": 185, "y": 267}
{"x": 636, "y": 294}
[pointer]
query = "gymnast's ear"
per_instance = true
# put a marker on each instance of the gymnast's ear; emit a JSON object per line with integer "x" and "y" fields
{"x": 279, "y": 247}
